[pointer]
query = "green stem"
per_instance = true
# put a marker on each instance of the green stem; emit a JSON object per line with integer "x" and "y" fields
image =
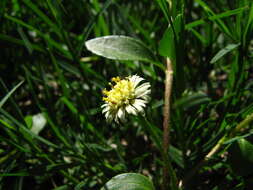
{"x": 241, "y": 125}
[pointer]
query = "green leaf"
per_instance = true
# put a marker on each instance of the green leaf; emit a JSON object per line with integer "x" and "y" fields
{"x": 29, "y": 121}
{"x": 176, "y": 156}
{"x": 241, "y": 157}
{"x": 202, "y": 39}
{"x": 90, "y": 26}
{"x": 216, "y": 18}
{"x": 224, "y": 51}
{"x": 69, "y": 105}
{"x": 27, "y": 133}
{"x": 167, "y": 45}
{"x": 219, "y": 22}
{"x": 42, "y": 15}
{"x": 192, "y": 100}
{"x": 27, "y": 43}
{"x": 13, "y": 40}
{"x": 238, "y": 138}
{"x": 120, "y": 48}
{"x": 45, "y": 36}
{"x": 129, "y": 181}
{"x": 80, "y": 186}
{"x": 62, "y": 187}
{"x": 23, "y": 173}
{"x": 249, "y": 26}
{"x": 163, "y": 5}
{"x": 2, "y": 102}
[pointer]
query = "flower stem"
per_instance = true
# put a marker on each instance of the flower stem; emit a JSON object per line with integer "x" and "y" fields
{"x": 166, "y": 121}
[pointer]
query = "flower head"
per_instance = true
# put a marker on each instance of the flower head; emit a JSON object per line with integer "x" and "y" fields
{"x": 127, "y": 96}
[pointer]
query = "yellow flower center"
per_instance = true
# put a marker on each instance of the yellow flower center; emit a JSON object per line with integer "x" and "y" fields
{"x": 122, "y": 93}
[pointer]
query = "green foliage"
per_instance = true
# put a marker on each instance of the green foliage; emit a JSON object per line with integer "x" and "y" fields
{"x": 130, "y": 181}
{"x": 120, "y": 48}
{"x": 43, "y": 44}
{"x": 170, "y": 38}
{"x": 240, "y": 160}
{"x": 223, "y": 52}
{"x": 241, "y": 157}
{"x": 8, "y": 95}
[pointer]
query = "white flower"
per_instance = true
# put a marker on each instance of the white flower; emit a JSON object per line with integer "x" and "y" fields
{"x": 38, "y": 123}
{"x": 127, "y": 96}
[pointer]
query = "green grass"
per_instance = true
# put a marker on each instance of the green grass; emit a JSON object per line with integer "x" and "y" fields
{"x": 42, "y": 44}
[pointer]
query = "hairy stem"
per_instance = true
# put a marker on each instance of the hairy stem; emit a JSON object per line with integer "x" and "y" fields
{"x": 166, "y": 121}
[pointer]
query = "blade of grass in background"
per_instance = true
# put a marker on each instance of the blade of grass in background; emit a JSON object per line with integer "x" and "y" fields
{"x": 7, "y": 96}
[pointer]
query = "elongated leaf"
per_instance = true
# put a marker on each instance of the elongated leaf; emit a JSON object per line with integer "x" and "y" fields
{"x": 167, "y": 44}
{"x": 24, "y": 173}
{"x": 27, "y": 133}
{"x": 10, "y": 93}
{"x": 129, "y": 181}
{"x": 90, "y": 25}
{"x": 63, "y": 187}
{"x": 46, "y": 37}
{"x": 120, "y": 48}
{"x": 192, "y": 100}
{"x": 27, "y": 43}
{"x": 13, "y": 40}
{"x": 199, "y": 36}
{"x": 241, "y": 157}
{"x": 69, "y": 105}
{"x": 223, "y": 52}
{"x": 176, "y": 156}
{"x": 215, "y": 17}
{"x": 164, "y": 7}
{"x": 238, "y": 138}
{"x": 249, "y": 25}
{"x": 43, "y": 16}
{"x": 219, "y": 22}
{"x": 80, "y": 186}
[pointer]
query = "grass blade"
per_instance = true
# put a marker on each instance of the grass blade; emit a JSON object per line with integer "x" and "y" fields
{"x": 224, "y": 51}
{"x": 7, "y": 96}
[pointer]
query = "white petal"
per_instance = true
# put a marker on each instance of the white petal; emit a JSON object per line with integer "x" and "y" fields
{"x": 141, "y": 89}
{"x": 135, "y": 79}
{"x": 107, "y": 114}
{"x": 140, "y": 102}
{"x": 131, "y": 110}
{"x": 106, "y": 109}
{"x": 104, "y": 105}
{"x": 145, "y": 97}
{"x": 144, "y": 94}
{"x": 120, "y": 113}
{"x": 144, "y": 84}
{"x": 116, "y": 119}
{"x": 138, "y": 108}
